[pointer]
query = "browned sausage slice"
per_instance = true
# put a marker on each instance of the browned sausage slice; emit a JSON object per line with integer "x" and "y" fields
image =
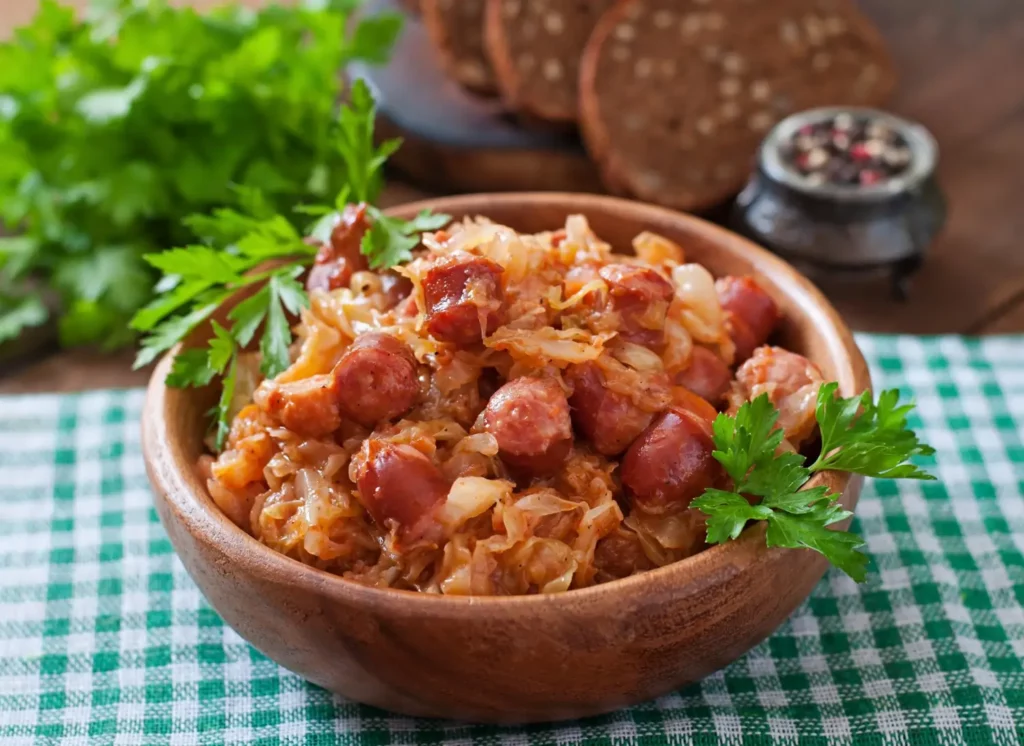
{"x": 609, "y": 420}
{"x": 707, "y": 375}
{"x": 376, "y": 379}
{"x": 529, "y": 417}
{"x": 337, "y": 260}
{"x": 670, "y": 464}
{"x": 399, "y": 485}
{"x": 307, "y": 406}
{"x": 464, "y": 298}
{"x": 751, "y": 314}
{"x": 641, "y": 296}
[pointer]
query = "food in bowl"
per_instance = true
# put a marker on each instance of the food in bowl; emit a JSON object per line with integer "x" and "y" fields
{"x": 505, "y": 413}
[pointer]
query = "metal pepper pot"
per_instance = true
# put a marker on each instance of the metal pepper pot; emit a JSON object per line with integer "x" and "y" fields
{"x": 844, "y": 189}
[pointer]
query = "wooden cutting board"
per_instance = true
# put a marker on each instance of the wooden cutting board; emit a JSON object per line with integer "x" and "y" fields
{"x": 459, "y": 142}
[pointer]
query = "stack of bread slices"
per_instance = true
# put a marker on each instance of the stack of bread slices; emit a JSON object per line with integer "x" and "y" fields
{"x": 671, "y": 97}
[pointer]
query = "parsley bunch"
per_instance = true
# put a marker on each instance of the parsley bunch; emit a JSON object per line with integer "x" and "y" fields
{"x": 857, "y": 435}
{"x": 255, "y": 248}
{"x": 114, "y": 128}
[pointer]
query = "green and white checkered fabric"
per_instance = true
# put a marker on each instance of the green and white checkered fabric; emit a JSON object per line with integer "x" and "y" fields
{"x": 105, "y": 639}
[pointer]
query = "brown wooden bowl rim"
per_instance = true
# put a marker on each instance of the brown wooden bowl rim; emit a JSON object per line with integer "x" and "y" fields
{"x": 203, "y": 519}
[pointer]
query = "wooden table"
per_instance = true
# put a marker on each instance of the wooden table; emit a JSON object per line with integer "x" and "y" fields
{"x": 960, "y": 63}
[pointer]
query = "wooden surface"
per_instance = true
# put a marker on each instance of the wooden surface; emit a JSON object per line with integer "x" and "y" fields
{"x": 960, "y": 63}
{"x": 523, "y": 658}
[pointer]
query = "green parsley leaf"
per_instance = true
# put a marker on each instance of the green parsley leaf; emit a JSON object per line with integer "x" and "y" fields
{"x": 839, "y": 547}
{"x": 222, "y": 347}
{"x": 223, "y": 410}
{"x": 20, "y": 313}
{"x": 190, "y": 368}
{"x": 117, "y": 124}
{"x": 390, "y": 241}
{"x": 728, "y": 514}
{"x": 770, "y": 483}
{"x": 277, "y": 336}
{"x": 860, "y": 436}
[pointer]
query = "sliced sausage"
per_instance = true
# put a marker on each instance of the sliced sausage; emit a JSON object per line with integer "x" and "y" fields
{"x": 609, "y": 420}
{"x": 670, "y": 464}
{"x": 464, "y": 298}
{"x": 791, "y": 382}
{"x": 529, "y": 417}
{"x": 707, "y": 375}
{"x": 307, "y": 406}
{"x": 376, "y": 379}
{"x": 640, "y": 296}
{"x": 394, "y": 288}
{"x": 399, "y": 485}
{"x": 333, "y": 275}
{"x": 751, "y": 314}
{"x": 338, "y": 259}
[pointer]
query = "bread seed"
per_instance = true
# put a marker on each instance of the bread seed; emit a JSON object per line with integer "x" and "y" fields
{"x": 651, "y": 180}
{"x": 691, "y": 24}
{"x": 527, "y": 62}
{"x": 761, "y": 121}
{"x": 663, "y": 19}
{"x": 714, "y": 21}
{"x": 733, "y": 63}
{"x": 730, "y": 87}
{"x": 724, "y": 172}
{"x": 706, "y": 125}
{"x": 760, "y": 90}
{"x": 511, "y": 9}
{"x": 821, "y": 61}
{"x": 710, "y": 53}
{"x": 668, "y": 68}
{"x": 620, "y": 53}
{"x": 552, "y": 69}
{"x": 789, "y": 33}
{"x": 625, "y": 32}
{"x": 643, "y": 68}
{"x": 835, "y": 26}
{"x": 554, "y": 24}
{"x": 730, "y": 111}
{"x": 815, "y": 32}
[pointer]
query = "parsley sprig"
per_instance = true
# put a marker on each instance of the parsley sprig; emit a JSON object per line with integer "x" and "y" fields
{"x": 118, "y": 122}
{"x": 857, "y": 435}
{"x": 256, "y": 250}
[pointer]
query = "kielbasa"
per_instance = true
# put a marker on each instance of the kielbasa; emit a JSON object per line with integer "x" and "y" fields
{"x": 751, "y": 314}
{"x": 376, "y": 379}
{"x": 791, "y": 382}
{"x": 529, "y": 417}
{"x": 399, "y": 485}
{"x": 641, "y": 297}
{"x": 670, "y": 464}
{"x": 307, "y": 406}
{"x": 464, "y": 298}
{"x": 341, "y": 257}
{"x": 608, "y": 419}
{"x": 707, "y": 375}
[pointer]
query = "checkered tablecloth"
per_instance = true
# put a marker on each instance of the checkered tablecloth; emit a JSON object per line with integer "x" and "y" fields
{"x": 105, "y": 639}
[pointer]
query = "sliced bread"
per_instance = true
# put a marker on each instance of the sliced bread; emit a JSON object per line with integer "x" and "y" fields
{"x": 676, "y": 95}
{"x": 535, "y": 48}
{"x": 456, "y": 29}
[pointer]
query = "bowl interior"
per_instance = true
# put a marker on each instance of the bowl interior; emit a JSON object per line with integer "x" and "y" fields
{"x": 810, "y": 325}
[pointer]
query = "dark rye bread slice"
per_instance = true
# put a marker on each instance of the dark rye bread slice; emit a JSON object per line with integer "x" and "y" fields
{"x": 676, "y": 95}
{"x": 456, "y": 29}
{"x": 535, "y": 47}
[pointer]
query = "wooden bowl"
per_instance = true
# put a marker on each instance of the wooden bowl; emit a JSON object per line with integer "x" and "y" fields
{"x": 515, "y": 659}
